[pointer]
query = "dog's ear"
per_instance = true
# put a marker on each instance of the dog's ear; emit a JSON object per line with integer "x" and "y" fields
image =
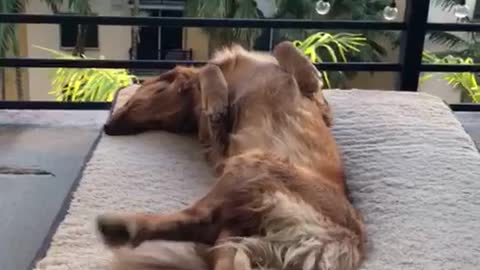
{"x": 171, "y": 75}
{"x": 168, "y": 76}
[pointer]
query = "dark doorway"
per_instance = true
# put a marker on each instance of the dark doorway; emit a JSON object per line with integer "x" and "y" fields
{"x": 171, "y": 39}
{"x": 161, "y": 42}
{"x": 262, "y": 43}
{"x": 147, "y": 48}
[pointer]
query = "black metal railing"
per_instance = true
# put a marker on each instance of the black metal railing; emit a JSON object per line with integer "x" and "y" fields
{"x": 157, "y": 2}
{"x": 414, "y": 29}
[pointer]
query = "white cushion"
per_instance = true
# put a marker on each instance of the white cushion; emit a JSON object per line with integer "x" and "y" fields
{"x": 415, "y": 174}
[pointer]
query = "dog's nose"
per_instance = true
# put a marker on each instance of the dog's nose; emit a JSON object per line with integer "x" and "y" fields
{"x": 120, "y": 129}
{"x": 109, "y": 129}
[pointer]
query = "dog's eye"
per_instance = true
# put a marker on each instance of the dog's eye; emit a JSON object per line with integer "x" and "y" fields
{"x": 162, "y": 86}
{"x": 160, "y": 89}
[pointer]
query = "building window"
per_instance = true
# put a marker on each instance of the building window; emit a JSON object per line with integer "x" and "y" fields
{"x": 68, "y": 35}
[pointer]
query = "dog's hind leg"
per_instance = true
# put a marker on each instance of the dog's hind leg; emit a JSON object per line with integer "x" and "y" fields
{"x": 225, "y": 257}
{"x": 213, "y": 124}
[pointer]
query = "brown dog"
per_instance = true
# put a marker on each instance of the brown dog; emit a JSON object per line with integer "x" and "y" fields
{"x": 279, "y": 200}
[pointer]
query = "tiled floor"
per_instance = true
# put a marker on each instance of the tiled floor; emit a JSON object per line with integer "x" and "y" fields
{"x": 39, "y": 165}
{"x": 471, "y": 123}
{"x": 29, "y": 203}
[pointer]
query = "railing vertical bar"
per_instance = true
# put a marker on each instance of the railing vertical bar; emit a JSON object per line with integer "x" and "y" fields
{"x": 413, "y": 39}
{"x": 270, "y": 39}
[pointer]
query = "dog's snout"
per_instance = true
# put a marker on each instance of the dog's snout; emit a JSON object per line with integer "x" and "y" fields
{"x": 109, "y": 129}
{"x": 113, "y": 129}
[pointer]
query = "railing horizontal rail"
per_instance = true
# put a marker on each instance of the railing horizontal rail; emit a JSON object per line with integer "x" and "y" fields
{"x": 465, "y": 107}
{"x": 52, "y": 105}
{"x": 84, "y": 63}
{"x": 454, "y": 27}
{"x": 449, "y": 68}
{"x": 200, "y": 22}
{"x": 149, "y": 64}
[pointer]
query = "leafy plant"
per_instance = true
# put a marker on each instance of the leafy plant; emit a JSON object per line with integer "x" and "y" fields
{"x": 86, "y": 84}
{"x": 225, "y": 9}
{"x": 290, "y": 9}
{"x": 467, "y": 81}
{"x": 365, "y": 10}
{"x": 9, "y": 42}
{"x": 8, "y": 31}
{"x": 462, "y": 45}
{"x": 322, "y": 46}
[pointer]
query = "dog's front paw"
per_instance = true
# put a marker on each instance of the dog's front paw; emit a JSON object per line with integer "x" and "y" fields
{"x": 117, "y": 230}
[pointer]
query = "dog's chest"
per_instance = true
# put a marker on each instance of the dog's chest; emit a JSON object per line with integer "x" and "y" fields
{"x": 293, "y": 135}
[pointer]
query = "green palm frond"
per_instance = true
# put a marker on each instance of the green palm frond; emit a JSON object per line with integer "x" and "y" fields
{"x": 246, "y": 9}
{"x": 209, "y": 9}
{"x": 467, "y": 81}
{"x": 448, "y": 39}
{"x": 12, "y": 6}
{"x": 9, "y": 40}
{"x": 8, "y": 32}
{"x": 445, "y": 4}
{"x": 80, "y": 6}
{"x": 461, "y": 46}
{"x": 293, "y": 9}
{"x": 86, "y": 84}
{"x": 54, "y": 5}
{"x": 457, "y": 46}
{"x": 299, "y": 9}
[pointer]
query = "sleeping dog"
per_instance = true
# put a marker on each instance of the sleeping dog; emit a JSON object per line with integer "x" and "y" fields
{"x": 279, "y": 199}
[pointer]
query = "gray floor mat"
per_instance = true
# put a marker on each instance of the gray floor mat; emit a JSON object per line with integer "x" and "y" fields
{"x": 39, "y": 164}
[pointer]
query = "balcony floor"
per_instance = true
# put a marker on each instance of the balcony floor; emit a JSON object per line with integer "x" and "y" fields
{"x": 471, "y": 123}
{"x": 42, "y": 157}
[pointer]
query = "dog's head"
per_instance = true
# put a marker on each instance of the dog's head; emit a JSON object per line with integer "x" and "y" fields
{"x": 167, "y": 102}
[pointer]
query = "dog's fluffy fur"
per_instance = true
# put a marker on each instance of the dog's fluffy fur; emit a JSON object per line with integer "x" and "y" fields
{"x": 280, "y": 199}
{"x": 164, "y": 255}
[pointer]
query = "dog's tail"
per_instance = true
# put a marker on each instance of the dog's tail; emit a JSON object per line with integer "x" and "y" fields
{"x": 161, "y": 255}
{"x": 295, "y": 236}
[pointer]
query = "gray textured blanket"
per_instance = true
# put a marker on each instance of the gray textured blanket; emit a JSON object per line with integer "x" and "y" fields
{"x": 415, "y": 174}
{"x": 411, "y": 168}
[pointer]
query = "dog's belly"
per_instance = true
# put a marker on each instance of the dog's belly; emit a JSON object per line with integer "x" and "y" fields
{"x": 296, "y": 132}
